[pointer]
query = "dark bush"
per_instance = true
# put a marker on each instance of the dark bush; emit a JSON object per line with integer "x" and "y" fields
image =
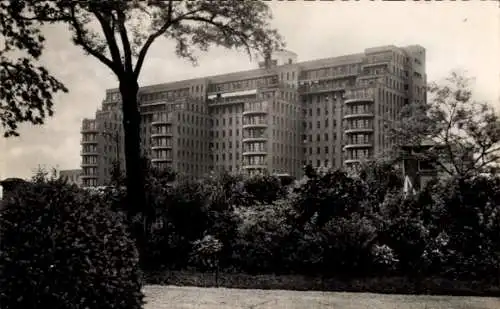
{"x": 334, "y": 224}
{"x": 64, "y": 248}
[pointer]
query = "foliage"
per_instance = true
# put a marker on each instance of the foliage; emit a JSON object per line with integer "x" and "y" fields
{"x": 328, "y": 195}
{"x": 206, "y": 251}
{"x": 464, "y": 133}
{"x": 471, "y": 214}
{"x": 27, "y": 88}
{"x": 62, "y": 247}
{"x": 359, "y": 226}
{"x": 264, "y": 188}
{"x": 380, "y": 178}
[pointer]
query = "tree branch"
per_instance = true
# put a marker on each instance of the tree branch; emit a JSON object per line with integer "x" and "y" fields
{"x": 170, "y": 21}
{"x": 224, "y": 28}
{"x": 447, "y": 136}
{"x": 110, "y": 39}
{"x": 125, "y": 42}
{"x": 80, "y": 40}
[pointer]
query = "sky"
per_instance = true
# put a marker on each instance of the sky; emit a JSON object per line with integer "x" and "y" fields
{"x": 457, "y": 35}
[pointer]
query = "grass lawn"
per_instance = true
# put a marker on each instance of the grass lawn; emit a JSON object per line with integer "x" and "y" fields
{"x": 171, "y": 297}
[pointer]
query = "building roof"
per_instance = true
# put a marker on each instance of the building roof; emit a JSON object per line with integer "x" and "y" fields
{"x": 259, "y": 72}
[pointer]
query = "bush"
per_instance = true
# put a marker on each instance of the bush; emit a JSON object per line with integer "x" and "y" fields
{"x": 64, "y": 248}
{"x": 335, "y": 224}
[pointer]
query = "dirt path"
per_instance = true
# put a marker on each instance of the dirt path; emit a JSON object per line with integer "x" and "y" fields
{"x": 169, "y": 297}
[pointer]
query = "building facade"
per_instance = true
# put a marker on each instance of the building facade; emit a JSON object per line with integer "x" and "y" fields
{"x": 332, "y": 113}
{"x": 72, "y": 176}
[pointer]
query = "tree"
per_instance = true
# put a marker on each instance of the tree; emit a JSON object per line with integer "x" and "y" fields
{"x": 27, "y": 89}
{"x": 464, "y": 133}
{"x": 117, "y": 32}
{"x": 206, "y": 254}
{"x": 62, "y": 247}
{"x": 325, "y": 196}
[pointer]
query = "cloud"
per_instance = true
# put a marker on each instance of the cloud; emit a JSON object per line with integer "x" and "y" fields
{"x": 455, "y": 34}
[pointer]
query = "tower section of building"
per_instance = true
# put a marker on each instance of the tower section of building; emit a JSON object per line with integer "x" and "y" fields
{"x": 177, "y": 127}
{"x": 102, "y": 142}
{"x": 89, "y": 153}
{"x": 323, "y": 84}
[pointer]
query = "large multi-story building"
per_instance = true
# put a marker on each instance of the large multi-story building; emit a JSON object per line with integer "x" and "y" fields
{"x": 330, "y": 112}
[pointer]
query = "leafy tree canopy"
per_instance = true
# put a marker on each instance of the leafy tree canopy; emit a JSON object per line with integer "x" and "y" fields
{"x": 464, "y": 133}
{"x": 27, "y": 88}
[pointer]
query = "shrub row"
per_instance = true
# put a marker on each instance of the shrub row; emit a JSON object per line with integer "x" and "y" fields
{"x": 69, "y": 248}
{"x": 330, "y": 224}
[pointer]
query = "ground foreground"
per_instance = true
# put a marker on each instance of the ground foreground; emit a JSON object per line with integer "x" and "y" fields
{"x": 171, "y": 297}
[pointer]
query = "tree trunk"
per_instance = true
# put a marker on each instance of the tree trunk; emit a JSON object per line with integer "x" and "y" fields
{"x": 136, "y": 197}
{"x": 131, "y": 125}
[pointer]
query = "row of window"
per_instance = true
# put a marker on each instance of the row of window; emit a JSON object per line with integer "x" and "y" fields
{"x": 89, "y": 148}
{"x": 168, "y": 95}
{"x": 330, "y": 72}
{"x": 89, "y": 159}
{"x": 355, "y": 139}
{"x": 255, "y": 147}
{"x": 254, "y": 120}
{"x": 326, "y": 124}
{"x": 318, "y": 111}
{"x": 244, "y": 84}
{"x": 256, "y": 106}
{"x": 326, "y": 150}
{"x": 358, "y": 124}
{"x": 358, "y": 154}
{"x": 318, "y": 137}
{"x": 356, "y": 109}
{"x": 334, "y": 84}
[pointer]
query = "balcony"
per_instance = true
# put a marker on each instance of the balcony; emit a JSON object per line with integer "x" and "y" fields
{"x": 160, "y": 160}
{"x": 91, "y": 152}
{"x": 358, "y": 145}
{"x": 88, "y": 141}
{"x": 161, "y": 120}
{"x": 255, "y": 125}
{"x": 258, "y": 152}
{"x": 164, "y": 146}
{"x": 89, "y": 129}
{"x": 161, "y": 134}
{"x": 359, "y": 115}
{"x": 274, "y": 84}
{"x": 261, "y": 138}
{"x": 88, "y": 176}
{"x": 255, "y": 167}
{"x": 330, "y": 76}
{"x": 360, "y": 95}
{"x": 232, "y": 100}
{"x": 88, "y": 164}
{"x": 358, "y": 130}
{"x": 256, "y": 112}
{"x": 376, "y": 62}
{"x": 318, "y": 88}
